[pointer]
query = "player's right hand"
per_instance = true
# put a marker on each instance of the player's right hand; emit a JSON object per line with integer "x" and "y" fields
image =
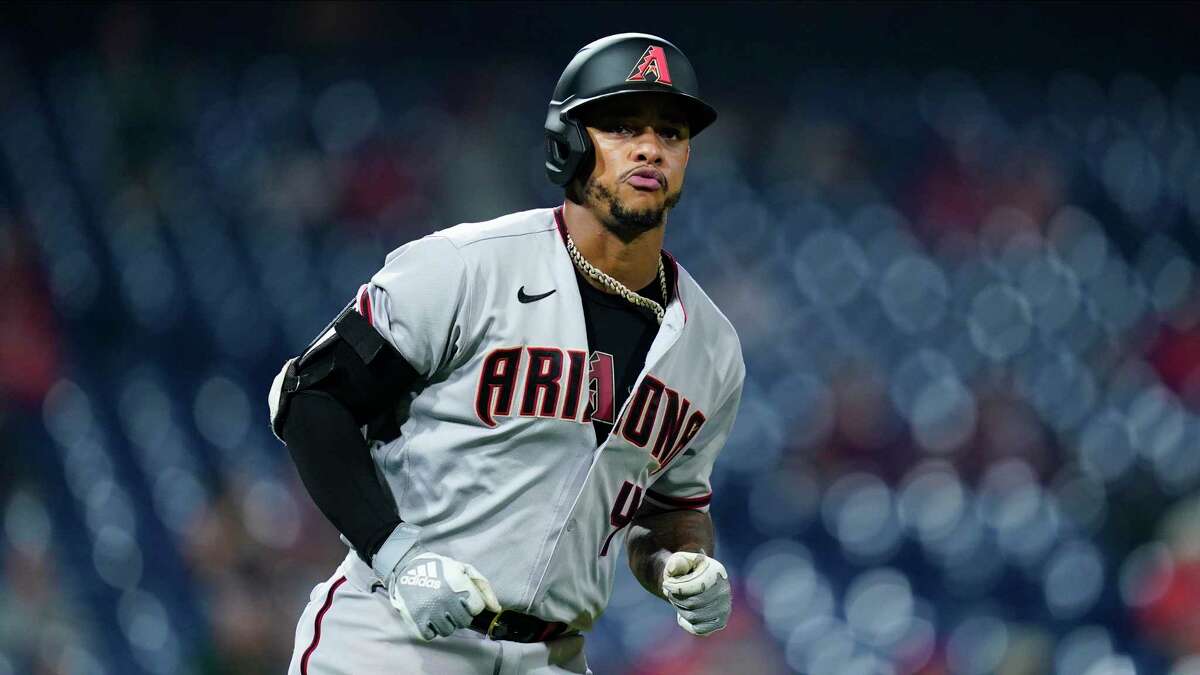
{"x": 438, "y": 595}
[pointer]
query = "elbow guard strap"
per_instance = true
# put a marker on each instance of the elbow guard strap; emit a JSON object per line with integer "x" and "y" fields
{"x": 351, "y": 361}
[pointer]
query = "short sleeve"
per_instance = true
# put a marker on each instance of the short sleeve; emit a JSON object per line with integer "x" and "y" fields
{"x": 418, "y": 302}
{"x": 685, "y": 484}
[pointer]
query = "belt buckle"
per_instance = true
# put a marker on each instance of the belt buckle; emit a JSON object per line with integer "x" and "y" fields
{"x": 492, "y": 634}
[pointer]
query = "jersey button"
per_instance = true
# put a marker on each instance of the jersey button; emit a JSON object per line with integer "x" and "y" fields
{"x": 570, "y": 525}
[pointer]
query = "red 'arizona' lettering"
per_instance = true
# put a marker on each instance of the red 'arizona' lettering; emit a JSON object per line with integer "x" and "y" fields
{"x": 577, "y": 359}
{"x": 643, "y": 409}
{"x": 673, "y": 433}
{"x": 545, "y": 369}
{"x": 602, "y": 400}
{"x": 690, "y": 430}
{"x": 674, "y": 414}
{"x": 497, "y": 380}
{"x": 551, "y": 386}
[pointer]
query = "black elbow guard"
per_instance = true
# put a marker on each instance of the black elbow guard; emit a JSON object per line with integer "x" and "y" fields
{"x": 351, "y": 361}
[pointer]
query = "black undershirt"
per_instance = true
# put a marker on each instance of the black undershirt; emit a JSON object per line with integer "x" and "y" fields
{"x": 618, "y": 327}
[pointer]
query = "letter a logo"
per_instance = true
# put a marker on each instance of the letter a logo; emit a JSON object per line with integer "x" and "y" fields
{"x": 654, "y": 62}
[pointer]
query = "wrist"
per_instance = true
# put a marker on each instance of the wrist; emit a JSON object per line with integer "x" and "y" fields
{"x": 399, "y": 544}
{"x": 657, "y": 566}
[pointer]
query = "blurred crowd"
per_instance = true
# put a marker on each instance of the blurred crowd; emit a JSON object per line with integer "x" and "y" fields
{"x": 968, "y": 305}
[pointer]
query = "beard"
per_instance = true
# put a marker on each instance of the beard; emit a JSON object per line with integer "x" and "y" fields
{"x": 625, "y": 223}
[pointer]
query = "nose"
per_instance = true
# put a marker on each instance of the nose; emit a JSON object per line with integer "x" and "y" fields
{"x": 647, "y": 148}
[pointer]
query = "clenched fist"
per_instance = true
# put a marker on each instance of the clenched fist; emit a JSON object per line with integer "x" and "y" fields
{"x": 435, "y": 594}
{"x": 698, "y": 587}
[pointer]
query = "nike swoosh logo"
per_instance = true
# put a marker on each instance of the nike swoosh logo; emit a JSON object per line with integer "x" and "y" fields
{"x": 521, "y": 295}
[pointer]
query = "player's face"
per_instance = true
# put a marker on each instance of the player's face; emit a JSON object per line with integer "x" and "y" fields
{"x": 641, "y": 147}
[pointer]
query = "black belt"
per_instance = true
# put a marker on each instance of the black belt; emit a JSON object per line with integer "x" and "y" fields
{"x": 517, "y": 627}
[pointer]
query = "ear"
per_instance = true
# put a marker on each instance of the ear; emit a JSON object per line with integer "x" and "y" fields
{"x": 688, "y": 155}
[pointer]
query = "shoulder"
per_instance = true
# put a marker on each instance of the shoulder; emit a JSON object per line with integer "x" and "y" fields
{"x": 711, "y": 325}
{"x": 466, "y": 245}
{"x": 492, "y": 233}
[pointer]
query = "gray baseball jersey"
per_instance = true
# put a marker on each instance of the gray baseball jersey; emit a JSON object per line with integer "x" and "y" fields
{"x": 497, "y": 458}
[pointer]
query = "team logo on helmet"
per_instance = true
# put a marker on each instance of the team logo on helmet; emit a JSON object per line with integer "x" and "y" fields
{"x": 653, "y": 61}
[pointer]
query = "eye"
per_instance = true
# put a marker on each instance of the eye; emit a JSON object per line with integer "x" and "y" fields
{"x": 671, "y": 133}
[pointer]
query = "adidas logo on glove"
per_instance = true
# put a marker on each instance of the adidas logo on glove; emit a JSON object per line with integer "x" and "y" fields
{"x": 424, "y": 576}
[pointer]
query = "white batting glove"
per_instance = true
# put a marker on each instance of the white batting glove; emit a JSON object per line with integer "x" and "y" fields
{"x": 434, "y": 594}
{"x": 698, "y": 587}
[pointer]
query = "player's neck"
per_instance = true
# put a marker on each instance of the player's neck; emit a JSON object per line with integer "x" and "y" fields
{"x": 633, "y": 263}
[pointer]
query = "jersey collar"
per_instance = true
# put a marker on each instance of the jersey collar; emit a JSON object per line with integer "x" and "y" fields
{"x": 671, "y": 264}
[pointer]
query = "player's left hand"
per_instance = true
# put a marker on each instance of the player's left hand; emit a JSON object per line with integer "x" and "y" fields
{"x": 698, "y": 587}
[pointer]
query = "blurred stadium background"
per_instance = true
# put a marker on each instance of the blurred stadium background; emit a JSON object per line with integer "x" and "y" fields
{"x": 959, "y": 244}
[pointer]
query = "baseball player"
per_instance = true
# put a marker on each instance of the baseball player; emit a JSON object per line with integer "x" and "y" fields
{"x": 505, "y": 404}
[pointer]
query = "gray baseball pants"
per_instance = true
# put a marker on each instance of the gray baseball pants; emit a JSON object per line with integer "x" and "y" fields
{"x": 347, "y": 629}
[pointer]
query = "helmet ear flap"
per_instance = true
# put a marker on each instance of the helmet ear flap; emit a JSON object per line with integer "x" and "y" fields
{"x": 559, "y": 151}
{"x": 567, "y": 145}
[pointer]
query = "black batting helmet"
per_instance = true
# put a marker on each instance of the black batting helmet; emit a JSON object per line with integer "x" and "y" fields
{"x": 625, "y": 63}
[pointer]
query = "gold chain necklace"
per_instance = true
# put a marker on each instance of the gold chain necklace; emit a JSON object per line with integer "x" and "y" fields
{"x": 618, "y": 287}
